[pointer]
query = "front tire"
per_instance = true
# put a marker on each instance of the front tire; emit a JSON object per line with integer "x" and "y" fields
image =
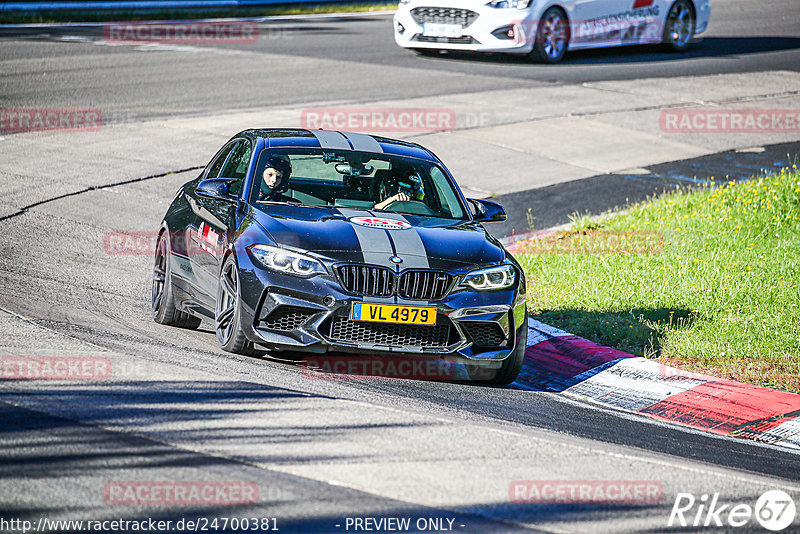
{"x": 228, "y": 316}
{"x": 552, "y": 37}
{"x": 680, "y": 26}
{"x": 162, "y": 301}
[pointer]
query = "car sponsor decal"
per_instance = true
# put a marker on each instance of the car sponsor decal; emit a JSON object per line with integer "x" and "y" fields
{"x": 380, "y": 222}
{"x": 208, "y": 238}
{"x": 638, "y": 4}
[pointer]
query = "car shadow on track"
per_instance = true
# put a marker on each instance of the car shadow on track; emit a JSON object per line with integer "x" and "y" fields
{"x": 708, "y": 47}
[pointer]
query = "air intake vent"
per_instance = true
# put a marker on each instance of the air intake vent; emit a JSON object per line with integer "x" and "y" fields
{"x": 391, "y": 335}
{"x": 286, "y": 318}
{"x": 484, "y": 333}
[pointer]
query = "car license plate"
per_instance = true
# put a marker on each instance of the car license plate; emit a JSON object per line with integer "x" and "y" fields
{"x": 430, "y": 29}
{"x": 383, "y": 313}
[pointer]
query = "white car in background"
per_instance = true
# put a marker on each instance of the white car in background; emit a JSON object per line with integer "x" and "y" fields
{"x": 546, "y": 29}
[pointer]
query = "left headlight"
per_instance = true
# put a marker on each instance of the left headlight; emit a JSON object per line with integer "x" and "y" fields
{"x": 512, "y": 4}
{"x": 286, "y": 261}
{"x": 500, "y": 277}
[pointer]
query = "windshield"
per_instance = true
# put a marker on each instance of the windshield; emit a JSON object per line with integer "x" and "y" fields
{"x": 348, "y": 179}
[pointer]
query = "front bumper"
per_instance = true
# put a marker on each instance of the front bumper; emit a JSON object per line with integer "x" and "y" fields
{"x": 488, "y": 32}
{"x": 313, "y": 315}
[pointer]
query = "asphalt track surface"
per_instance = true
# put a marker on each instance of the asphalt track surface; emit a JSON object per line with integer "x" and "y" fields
{"x": 57, "y": 292}
{"x": 343, "y": 59}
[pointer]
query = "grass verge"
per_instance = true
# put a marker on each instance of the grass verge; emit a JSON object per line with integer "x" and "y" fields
{"x": 56, "y": 16}
{"x": 704, "y": 280}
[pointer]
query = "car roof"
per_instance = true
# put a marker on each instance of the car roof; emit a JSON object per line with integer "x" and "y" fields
{"x": 336, "y": 140}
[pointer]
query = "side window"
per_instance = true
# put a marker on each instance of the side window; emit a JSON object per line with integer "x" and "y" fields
{"x": 216, "y": 165}
{"x": 236, "y": 167}
{"x": 446, "y": 194}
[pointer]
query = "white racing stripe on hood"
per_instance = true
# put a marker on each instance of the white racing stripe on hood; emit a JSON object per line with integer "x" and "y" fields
{"x": 374, "y": 243}
{"x": 409, "y": 246}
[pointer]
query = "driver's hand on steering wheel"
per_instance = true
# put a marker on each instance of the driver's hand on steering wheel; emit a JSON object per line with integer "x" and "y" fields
{"x": 399, "y": 197}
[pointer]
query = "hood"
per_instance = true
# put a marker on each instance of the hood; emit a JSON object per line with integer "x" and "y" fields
{"x": 355, "y": 235}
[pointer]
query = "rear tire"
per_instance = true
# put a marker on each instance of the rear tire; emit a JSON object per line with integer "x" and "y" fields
{"x": 228, "y": 316}
{"x": 552, "y": 37}
{"x": 509, "y": 370}
{"x": 679, "y": 26}
{"x": 162, "y": 301}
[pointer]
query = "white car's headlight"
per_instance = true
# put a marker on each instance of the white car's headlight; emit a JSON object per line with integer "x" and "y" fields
{"x": 286, "y": 261}
{"x": 500, "y": 277}
{"x": 511, "y": 4}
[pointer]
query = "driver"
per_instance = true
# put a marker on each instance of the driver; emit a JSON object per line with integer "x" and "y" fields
{"x": 404, "y": 189}
{"x": 275, "y": 179}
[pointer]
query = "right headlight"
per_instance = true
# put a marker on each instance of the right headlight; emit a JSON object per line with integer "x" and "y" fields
{"x": 492, "y": 278}
{"x": 510, "y": 4}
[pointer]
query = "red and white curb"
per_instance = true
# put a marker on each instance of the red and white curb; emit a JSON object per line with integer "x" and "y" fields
{"x": 556, "y": 360}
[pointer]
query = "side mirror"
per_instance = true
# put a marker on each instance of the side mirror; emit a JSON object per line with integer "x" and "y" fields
{"x": 216, "y": 189}
{"x": 487, "y": 211}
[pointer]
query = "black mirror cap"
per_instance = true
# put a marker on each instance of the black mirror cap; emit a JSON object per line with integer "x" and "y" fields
{"x": 216, "y": 188}
{"x": 487, "y": 211}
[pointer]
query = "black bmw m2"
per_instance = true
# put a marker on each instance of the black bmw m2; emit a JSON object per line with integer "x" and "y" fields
{"x": 322, "y": 241}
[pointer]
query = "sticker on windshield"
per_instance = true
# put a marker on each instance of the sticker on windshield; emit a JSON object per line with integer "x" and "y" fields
{"x": 379, "y": 222}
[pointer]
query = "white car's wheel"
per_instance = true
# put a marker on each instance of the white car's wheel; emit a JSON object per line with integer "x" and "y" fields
{"x": 552, "y": 36}
{"x": 680, "y": 26}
